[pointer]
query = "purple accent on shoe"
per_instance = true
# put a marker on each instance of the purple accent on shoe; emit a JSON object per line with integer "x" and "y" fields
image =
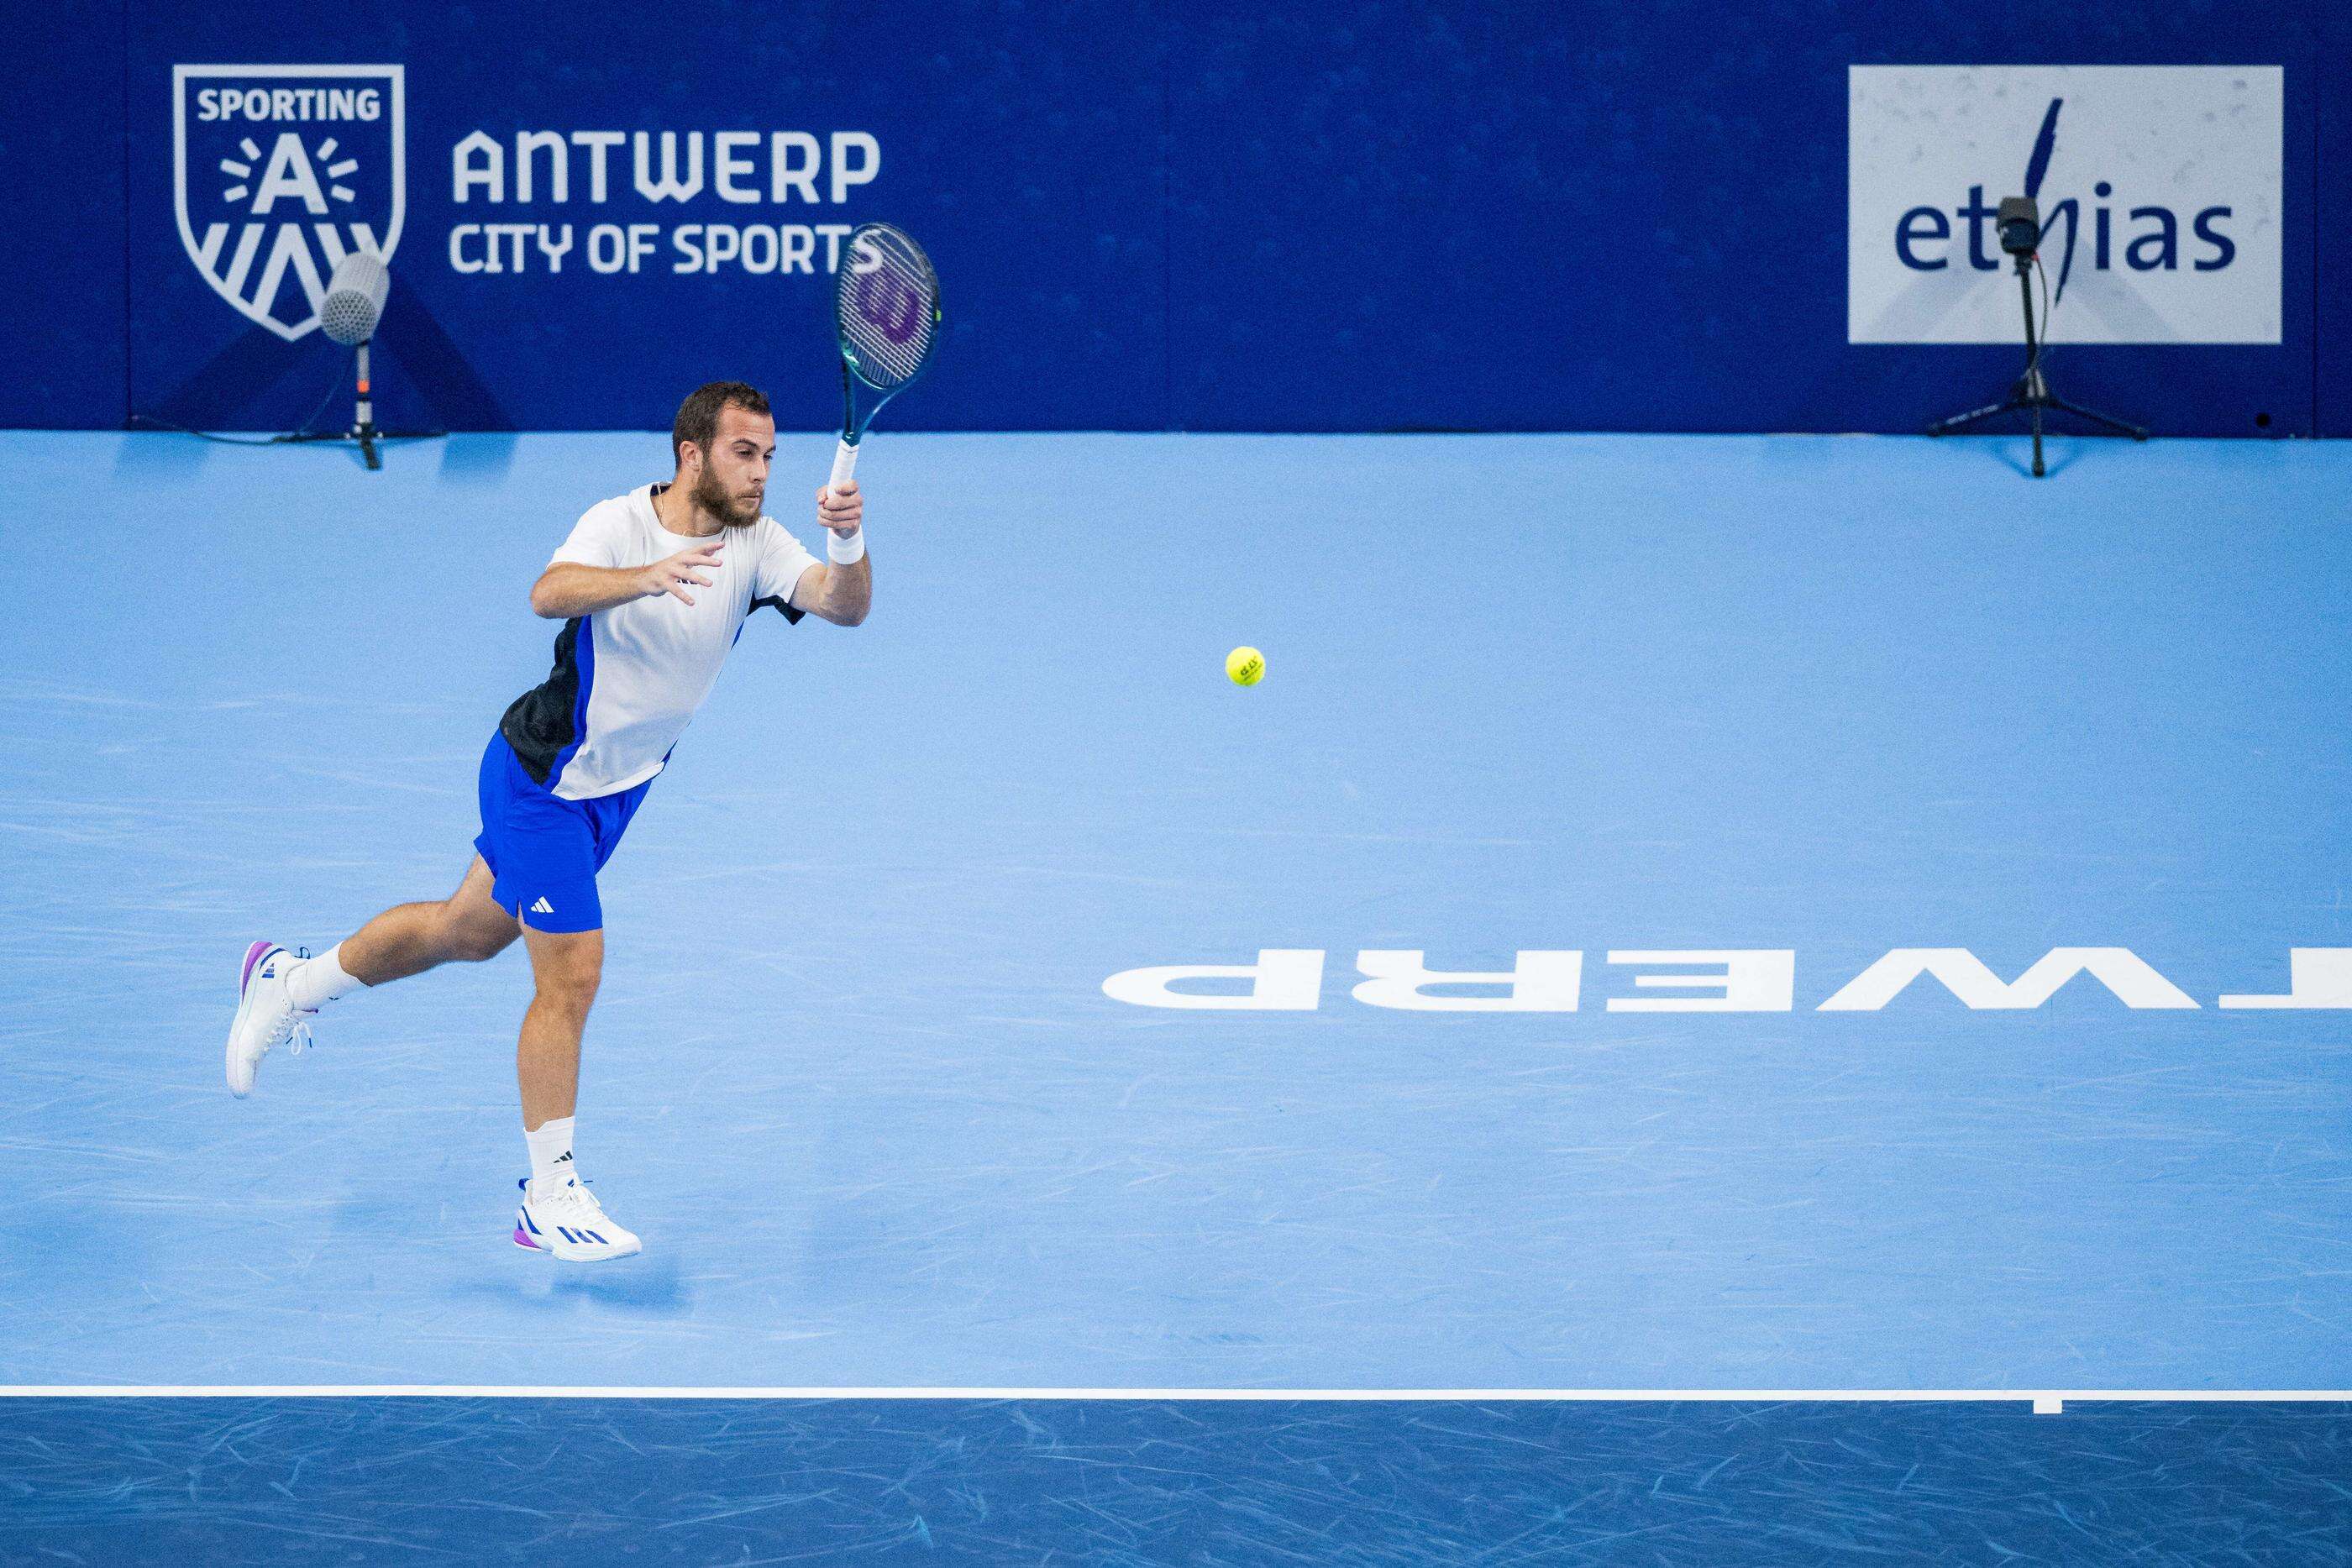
{"x": 253, "y": 955}
{"x": 523, "y": 1240}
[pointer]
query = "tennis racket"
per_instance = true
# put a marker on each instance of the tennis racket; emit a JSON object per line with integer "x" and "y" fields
{"x": 886, "y": 310}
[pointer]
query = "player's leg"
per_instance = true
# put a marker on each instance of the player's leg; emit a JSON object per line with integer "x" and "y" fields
{"x": 565, "y": 967}
{"x": 557, "y": 1214}
{"x": 279, "y": 990}
{"x": 407, "y": 939}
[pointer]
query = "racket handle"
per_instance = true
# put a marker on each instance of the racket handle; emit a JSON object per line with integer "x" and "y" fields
{"x": 844, "y": 464}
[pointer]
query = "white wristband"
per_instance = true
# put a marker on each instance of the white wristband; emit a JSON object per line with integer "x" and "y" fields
{"x": 844, "y": 551}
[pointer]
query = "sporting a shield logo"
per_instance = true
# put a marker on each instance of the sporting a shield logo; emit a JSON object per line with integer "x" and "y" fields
{"x": 277, "y": 172}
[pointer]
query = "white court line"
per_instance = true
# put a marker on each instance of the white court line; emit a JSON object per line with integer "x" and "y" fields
{"x": 1358, "y": 1395}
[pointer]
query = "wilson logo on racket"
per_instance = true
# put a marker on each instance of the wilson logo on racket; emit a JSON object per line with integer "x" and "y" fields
{"x": 891, "y": 308}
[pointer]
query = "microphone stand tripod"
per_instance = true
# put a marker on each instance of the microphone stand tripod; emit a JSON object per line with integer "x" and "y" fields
{"x": 2032, "y": 393}
{"x": 363, "y": 429}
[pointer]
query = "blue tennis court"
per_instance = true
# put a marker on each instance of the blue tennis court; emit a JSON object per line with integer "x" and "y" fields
{"x": 1135, "y": 1482}
{"x": 1742, "y": 721}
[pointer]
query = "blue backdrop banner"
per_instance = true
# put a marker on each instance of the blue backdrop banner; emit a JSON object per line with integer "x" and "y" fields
{"x": 1368, "y": 216}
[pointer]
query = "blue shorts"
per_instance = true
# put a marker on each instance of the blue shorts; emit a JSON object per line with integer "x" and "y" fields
{"x": 544, "y": 851}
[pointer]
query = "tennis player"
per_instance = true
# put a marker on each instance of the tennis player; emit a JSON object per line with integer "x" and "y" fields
{"x": 653, "y": 589}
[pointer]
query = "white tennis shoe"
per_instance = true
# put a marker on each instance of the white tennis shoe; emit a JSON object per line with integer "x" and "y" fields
{"x": 266, "y": 1017}
{"x": 567, "y": 1221}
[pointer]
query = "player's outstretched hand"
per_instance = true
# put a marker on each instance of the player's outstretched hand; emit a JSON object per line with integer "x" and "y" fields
{"x": 842, "y": 510}
{"x": 670, "y": 576}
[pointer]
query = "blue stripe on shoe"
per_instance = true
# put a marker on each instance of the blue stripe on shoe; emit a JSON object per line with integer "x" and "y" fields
{"x": 597, "y": 1238}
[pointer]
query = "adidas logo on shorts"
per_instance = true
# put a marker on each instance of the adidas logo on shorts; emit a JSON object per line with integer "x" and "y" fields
{"x": 542, "y": 907}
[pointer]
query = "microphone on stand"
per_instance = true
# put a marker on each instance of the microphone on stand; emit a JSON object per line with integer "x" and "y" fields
{"x": 350, "y": 314}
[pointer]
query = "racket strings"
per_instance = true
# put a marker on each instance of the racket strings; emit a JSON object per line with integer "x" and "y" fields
{"x": 886, "y": 310}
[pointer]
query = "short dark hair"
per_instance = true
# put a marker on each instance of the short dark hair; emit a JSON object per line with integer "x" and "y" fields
{"x": 698, "y": 416}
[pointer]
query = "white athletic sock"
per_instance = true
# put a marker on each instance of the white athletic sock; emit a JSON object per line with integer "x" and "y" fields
{"x": 318, "y": 981}
{"x": 550, "y": 1151}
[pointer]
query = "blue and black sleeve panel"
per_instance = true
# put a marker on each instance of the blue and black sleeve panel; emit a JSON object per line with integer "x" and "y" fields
{"x": 543, "y": 722}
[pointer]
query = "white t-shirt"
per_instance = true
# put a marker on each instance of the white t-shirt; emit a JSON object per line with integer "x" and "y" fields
{"x": 627, "y": 679}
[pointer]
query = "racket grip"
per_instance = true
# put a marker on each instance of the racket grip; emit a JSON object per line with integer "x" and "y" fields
{"x": 844, "y": 464}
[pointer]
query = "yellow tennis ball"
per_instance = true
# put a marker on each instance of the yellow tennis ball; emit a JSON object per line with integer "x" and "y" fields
{"x": 1245, "y": 666}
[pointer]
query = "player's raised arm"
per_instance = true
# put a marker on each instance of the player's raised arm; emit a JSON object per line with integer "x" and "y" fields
{"x": 840, "y": 593}
{"x": 568, "y": 589}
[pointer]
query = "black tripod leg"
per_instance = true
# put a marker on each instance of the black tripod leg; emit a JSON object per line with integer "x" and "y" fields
{"x": 2038, "y": 469}
{"x": 2118, "y": 425}
{"x": 1961, "y": 421}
